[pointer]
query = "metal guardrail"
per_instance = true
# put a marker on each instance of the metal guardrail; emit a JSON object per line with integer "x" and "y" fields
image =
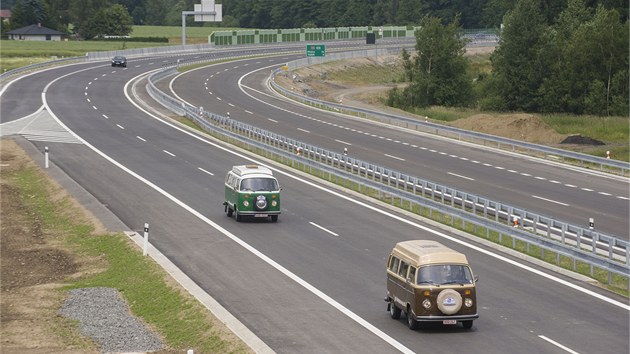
{"x": 407, "y": 192}
{"x": 205, "y": 48}
{"x": 38, "y": 66}
{"x": 550, "y": 153}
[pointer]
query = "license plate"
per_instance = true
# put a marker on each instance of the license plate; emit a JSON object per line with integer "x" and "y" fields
{"x": 260, "y": 215}
{"x": 449, "y": 322}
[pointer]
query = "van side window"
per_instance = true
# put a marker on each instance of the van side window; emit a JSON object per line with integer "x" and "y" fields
{"x": 230, "y": 180}
{"x": 412, "y": 274}
{"x": 237, "y": 182}
{"x": 404, "y": 266}
{"x": 393, "y": 264}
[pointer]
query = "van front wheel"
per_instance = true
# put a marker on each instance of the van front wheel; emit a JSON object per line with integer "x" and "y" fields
{"x": 238, "y": 215}
{"x": 274, "y": 218}
{"x": 230, "y": 212}
{"x": 467, "y": 324}
{"x": 411, "y": 321}
{"x": 394, "y": 311}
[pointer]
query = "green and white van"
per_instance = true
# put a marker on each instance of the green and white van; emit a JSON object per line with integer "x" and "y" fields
{"x": 252, "y": 190}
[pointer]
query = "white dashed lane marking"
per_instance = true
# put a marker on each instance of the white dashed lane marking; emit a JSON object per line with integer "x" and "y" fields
{"x": 550, "y": 200}
{"x": 324, "y": 229}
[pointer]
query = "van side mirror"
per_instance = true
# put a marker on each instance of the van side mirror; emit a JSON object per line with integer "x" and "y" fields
{"x": 476, "y": 278}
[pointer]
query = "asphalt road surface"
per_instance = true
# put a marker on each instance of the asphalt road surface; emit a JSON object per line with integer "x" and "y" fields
{"x": 314, "y": 281}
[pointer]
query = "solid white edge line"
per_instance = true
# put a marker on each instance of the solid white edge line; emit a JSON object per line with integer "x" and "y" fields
{"x": 385, "y": 337}
{"x": 300, "y": 281}
{"x": 6, "y": 86}
{"x": 450, "y": 238}
{"x": 233, "y": 324}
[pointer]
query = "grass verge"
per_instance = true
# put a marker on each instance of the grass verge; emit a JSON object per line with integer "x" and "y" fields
{"x": 112, "y": 260}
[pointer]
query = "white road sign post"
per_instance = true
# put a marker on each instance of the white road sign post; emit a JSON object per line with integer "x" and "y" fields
{"x": 207, "y": 11}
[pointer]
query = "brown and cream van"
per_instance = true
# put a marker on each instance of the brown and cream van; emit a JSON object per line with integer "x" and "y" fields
{"x": 430, "y": 282}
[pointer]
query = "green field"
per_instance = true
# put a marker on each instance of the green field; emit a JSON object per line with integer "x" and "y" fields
{"x": 46, "y": 49}
{"x": 174, "y": 33}
{"x": 15, "y": 54}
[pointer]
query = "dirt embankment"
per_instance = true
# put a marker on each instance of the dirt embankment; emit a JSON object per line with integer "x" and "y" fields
{"x": 314, "y": 81}
{"x": 33, "y": 269}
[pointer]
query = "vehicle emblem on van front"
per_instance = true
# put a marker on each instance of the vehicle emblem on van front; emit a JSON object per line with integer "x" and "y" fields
{"x": 449, "y": 301}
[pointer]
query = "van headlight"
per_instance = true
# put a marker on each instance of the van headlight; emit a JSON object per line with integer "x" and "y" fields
{"x": 426, "y": 303}
{"x": 468, "y": 302}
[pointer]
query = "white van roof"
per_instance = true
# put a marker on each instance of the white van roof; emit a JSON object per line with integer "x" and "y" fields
{"x": 421, "y": 252}
{"x": 243, "y": 170}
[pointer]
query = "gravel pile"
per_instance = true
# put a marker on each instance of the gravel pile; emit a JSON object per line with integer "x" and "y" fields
{"x": 104, "y": 316}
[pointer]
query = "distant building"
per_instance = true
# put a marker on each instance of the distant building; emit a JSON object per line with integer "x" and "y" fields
{"x": 5, "y": 15}
{"x": 35, "y": 33}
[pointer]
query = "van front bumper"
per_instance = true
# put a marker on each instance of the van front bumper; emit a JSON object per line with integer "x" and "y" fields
{"x": 443, "y": 318}
{"x": 258, "y": 214}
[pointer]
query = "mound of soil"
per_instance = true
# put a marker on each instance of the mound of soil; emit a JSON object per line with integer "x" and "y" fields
{"x": 581, "y": 140}
{"x": 519, "y": 126}
{"x": 314, "y": 81}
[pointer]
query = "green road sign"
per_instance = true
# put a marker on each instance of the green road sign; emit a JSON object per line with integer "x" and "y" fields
{"x": 315, "y": 50}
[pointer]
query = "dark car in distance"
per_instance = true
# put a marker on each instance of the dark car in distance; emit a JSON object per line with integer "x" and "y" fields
{"x": 119, "y": 60}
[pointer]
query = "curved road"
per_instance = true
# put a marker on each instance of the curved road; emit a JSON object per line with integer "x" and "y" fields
{"x": 565, "y": 193}
{"x": 315, "y": 281}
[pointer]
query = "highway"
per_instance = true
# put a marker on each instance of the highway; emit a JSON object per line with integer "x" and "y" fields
{"x": 315, "y": 281}
{"x": 567, "y": 194}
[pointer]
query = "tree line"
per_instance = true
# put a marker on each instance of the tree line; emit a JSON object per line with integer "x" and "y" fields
{"x": 71, "y": 16}
{"x": 553, "y": 55}
{"x": 576, "y": 63}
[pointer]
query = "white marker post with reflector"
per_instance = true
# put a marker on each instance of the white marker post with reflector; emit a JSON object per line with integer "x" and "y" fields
{"x": 146, "y": 239}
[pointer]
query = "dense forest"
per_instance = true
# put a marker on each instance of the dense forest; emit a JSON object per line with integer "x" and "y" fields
{"x": 474, "y": 14}
{"x": 553, "y": 55}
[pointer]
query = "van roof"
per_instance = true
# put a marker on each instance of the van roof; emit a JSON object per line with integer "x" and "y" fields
{"x": 243, "y": 170}
{"x": 421, "y": 252}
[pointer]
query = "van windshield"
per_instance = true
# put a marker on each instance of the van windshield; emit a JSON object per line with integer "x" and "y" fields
{"x": 259, "y": 184}
{"x": 443, "y": 274}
